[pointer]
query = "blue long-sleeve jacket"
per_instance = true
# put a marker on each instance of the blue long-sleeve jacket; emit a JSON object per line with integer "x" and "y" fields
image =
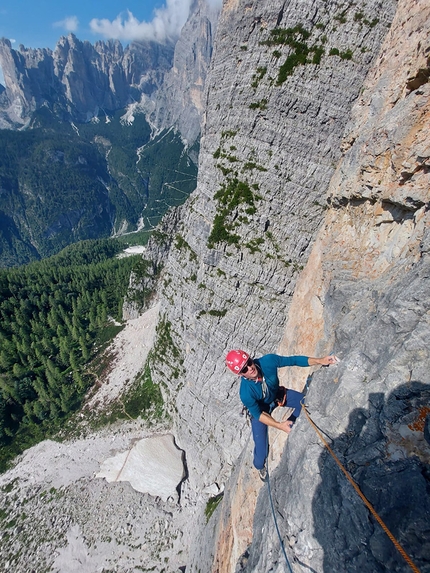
{"x": 251, "y": 392}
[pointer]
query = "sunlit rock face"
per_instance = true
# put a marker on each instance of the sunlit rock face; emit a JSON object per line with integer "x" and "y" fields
{"x": 364, "y": 295}
{"x": 270, "y": 144}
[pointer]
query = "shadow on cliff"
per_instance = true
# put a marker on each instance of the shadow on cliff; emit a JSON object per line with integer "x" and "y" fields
{"x": 385, "y": 451}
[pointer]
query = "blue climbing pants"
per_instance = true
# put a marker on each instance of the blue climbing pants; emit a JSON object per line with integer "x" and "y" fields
{"x": 259, "y": 430}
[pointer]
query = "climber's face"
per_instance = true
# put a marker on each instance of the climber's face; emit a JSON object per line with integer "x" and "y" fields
{"x": 250, "y": 370}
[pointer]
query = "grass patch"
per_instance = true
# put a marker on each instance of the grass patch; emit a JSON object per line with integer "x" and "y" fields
{"x": 212, "y": 504}
{"x": 302, "y": 53}
{"x": 221, "y": 231}
{"x": 144, "y": 398}
{"x": 233, "y": 194}
{"x": 254, "y": 245}
{"x": 262, "y": 104}
{"x": 286, "y": 36}
{"x": 347, "y": 55}
{"x": 258, "y": 76}
{"x": 249, "y": 165}
{"x": 165, "y": 351}
{"x": 181, "y": 244}
{"x": 341, "y": 18}
{"x": 219, "y": 313}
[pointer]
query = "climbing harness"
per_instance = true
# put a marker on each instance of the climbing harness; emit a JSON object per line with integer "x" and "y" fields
{"x": 360, "y": 493}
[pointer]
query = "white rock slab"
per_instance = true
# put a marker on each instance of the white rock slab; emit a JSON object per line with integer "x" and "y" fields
{"x": 153, "y": 465}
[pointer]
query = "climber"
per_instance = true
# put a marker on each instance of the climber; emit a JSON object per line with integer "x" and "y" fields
{"x": 261, "y": 393}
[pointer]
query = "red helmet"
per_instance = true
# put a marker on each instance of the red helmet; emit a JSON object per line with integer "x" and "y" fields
{"x": 236, "y": 360}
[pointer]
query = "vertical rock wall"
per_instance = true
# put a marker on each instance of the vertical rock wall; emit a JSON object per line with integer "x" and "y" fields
{"x": 365, "y": 295}
{"x": 180, "y": 100}
{"x": 269, "y": 148}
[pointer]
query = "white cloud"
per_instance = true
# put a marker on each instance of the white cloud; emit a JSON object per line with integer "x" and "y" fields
{"x": 167, "y": 23}
{"x": 70, "y": 24}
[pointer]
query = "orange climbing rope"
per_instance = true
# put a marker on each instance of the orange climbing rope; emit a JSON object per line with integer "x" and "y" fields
{"x": 363, "y": 497}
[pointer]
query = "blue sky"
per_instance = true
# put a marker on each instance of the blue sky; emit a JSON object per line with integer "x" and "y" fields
{"x": 40, "y": 23}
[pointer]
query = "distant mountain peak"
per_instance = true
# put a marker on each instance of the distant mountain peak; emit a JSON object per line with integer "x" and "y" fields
{"x": 78, "y": 78}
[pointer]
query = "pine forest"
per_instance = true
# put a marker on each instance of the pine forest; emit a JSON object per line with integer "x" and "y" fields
{"x": 55, "y": 315}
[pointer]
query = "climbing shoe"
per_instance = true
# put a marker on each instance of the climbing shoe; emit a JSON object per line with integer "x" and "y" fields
{"x": 263, "y": 473}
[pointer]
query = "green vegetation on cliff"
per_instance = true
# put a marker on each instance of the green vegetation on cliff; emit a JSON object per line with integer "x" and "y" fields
{"x": 233, "y": 196}
{"x": 302, "y": 53}
{"x": 143, "y": 399}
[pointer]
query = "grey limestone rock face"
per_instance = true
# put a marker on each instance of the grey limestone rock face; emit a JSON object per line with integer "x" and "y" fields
{"x": 268, "y": 150}
{"x": 371, "y": 266}
{"x": 180, "y": 99}
{"x": 371, "y": 411}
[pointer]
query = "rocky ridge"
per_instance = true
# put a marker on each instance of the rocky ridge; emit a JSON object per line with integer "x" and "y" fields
{"x": 77, "y": 77}
{"x": 79, "y": 80}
